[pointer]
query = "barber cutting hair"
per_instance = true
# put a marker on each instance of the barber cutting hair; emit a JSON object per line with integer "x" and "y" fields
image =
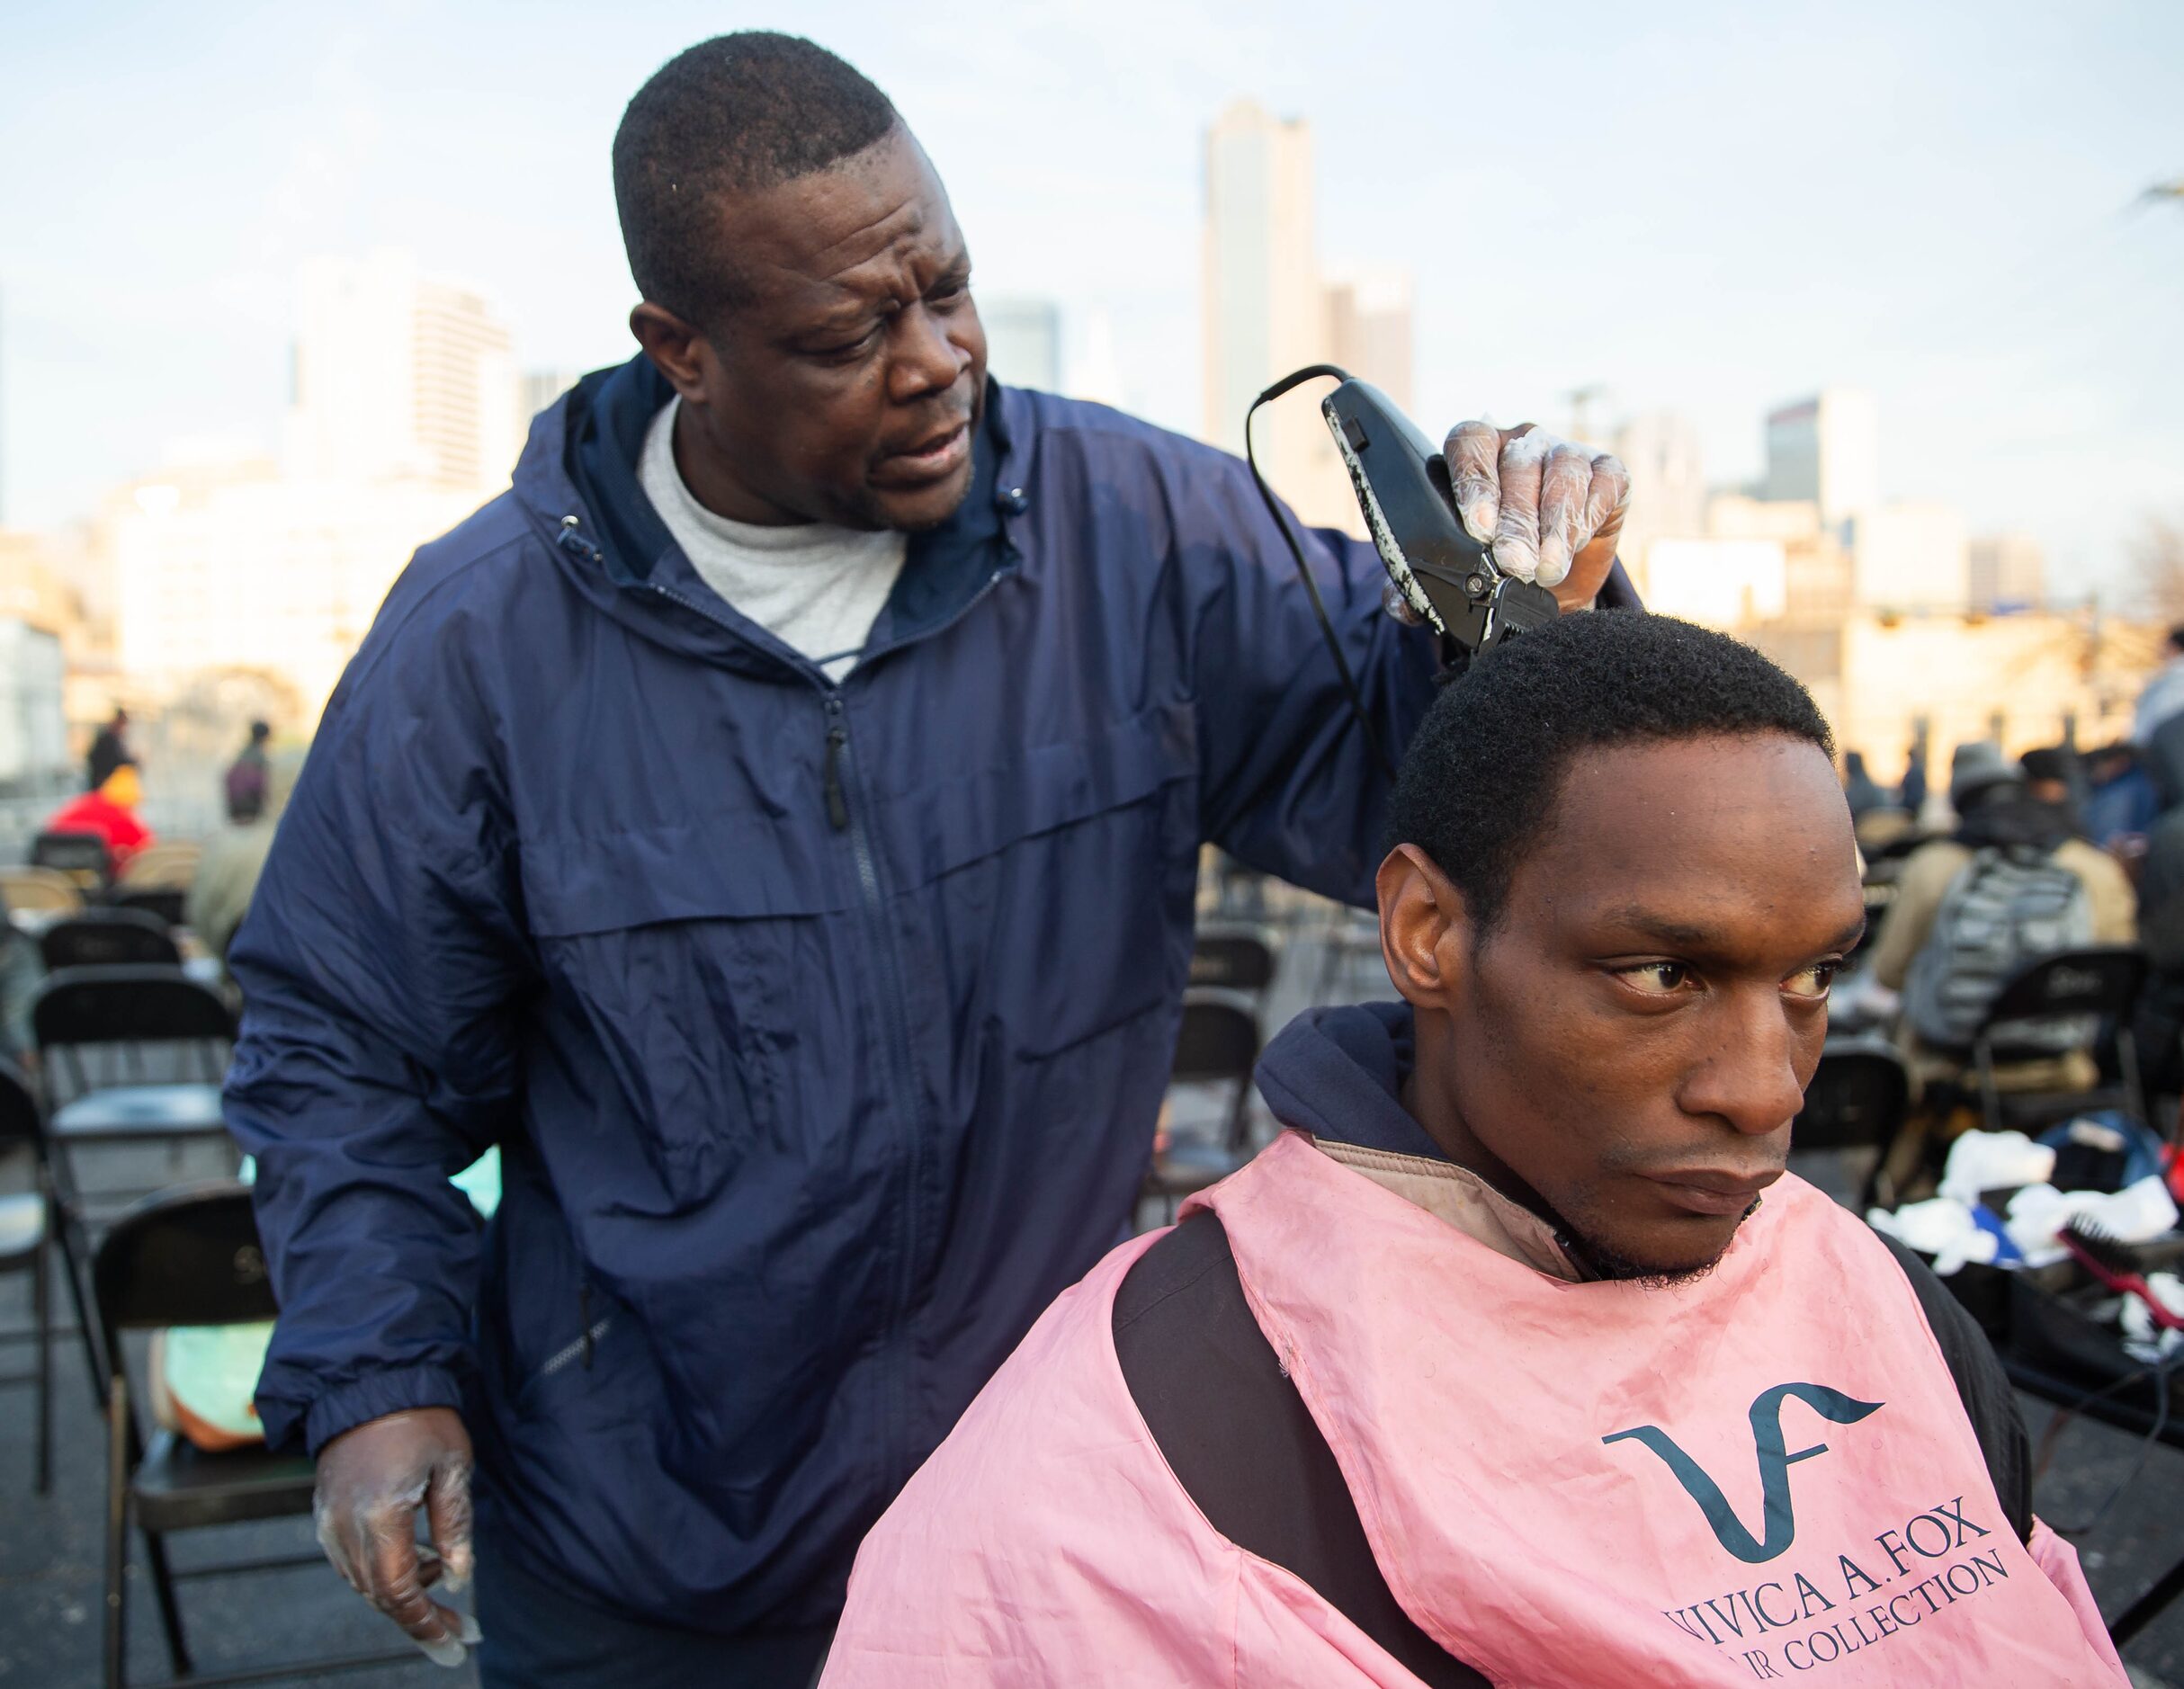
{"x": 774, "y": 823}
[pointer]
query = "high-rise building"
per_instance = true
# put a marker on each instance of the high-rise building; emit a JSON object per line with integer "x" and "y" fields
{"x": 1262, "y": 308}
{"x": 222, "y": 566}
{"x": 1909, "y": 556}
{"x": 1369, "y": 331}
{"x": 1267, "y": 310}
{"x": 1668, "y": 487}
{"x": 1826, "y": 449}
{"x": 399, "y": 375}
{"x": 1023, "y": 342}
{"x": 2006, "y": 572}
{"x": 537, "y": 388}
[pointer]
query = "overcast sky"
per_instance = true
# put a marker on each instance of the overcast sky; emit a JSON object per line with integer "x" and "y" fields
{"x": 1706, "y": 208}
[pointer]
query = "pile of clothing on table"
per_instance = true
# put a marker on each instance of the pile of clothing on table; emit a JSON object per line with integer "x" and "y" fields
{"x": 2064, "y": 1246}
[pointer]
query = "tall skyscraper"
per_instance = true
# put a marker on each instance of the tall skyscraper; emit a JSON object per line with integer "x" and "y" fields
{"x": 2008, "y": 572}
{"x": 1023, "y": 342}
{"x": 1264, "y": 312}
{"x": 1826, "y": 449}
{"x": 537, "y": 388}
{"x": 1668, "y": 486}
{"x": 399, "y": 375}
{"x": 1268, "y": 311}
{"x": 1369, "y": 331}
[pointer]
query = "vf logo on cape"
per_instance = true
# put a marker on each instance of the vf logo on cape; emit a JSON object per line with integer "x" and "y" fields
{"x": 1778, "y": 1524}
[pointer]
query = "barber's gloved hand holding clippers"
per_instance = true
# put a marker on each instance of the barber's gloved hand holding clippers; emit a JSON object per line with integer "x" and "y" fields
{"x": 1550, "y": 509}
{"x": 372, "y": 1480}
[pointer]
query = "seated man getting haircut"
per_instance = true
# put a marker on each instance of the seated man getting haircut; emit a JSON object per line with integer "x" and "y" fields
{"x": 1519, "y": 1358}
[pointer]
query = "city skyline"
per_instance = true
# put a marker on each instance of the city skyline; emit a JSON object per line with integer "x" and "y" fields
{"x": 1675, "y": 233}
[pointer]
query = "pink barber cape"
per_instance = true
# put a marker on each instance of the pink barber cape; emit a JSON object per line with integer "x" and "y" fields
{"x": 1766, "y": 1474}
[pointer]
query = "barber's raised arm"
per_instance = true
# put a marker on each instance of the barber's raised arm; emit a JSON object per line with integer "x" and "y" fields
{"x": 1291, "y": 784}
{"x": 379, "y": 964}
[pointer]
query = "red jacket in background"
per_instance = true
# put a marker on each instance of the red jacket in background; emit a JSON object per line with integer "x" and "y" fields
{"x": 95, "y": 812}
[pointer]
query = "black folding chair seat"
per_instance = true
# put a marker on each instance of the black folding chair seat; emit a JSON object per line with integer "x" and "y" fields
{"x": 1233, "y": 959}
{"x": 1218, "y": 1043}
{"x": 138, "y": 1113}
{"x": 163, "y": 903}
{"x": 179, "y": 1487}
{"x": 2097, "y": 986}
{"x": 29, "y": 1225}
{"x": 82, "y": 856}
{"x": 108, "y": 938}
{"x": 1857, "y": 1101}
{"x": 188, "y": 1256}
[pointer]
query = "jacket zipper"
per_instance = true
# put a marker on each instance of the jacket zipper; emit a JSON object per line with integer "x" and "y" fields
{"x": 839, "y": 780}
{"x": 903, "y": 1078}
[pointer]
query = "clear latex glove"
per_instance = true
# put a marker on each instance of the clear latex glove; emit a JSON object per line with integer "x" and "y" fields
{"x": 372, "y": 1480}
{"x": 1552, "y": 510}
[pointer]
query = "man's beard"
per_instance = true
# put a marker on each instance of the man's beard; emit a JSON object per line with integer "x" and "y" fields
{"x": 1597, "y": 1260}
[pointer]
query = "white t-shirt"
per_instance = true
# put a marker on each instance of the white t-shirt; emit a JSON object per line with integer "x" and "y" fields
{"x": 816, "y": 588}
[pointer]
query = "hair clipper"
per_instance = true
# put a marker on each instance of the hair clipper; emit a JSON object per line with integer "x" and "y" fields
{"x": 1445, "y": 575}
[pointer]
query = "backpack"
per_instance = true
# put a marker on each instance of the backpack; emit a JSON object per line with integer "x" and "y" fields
{"x": 2009, "y": 905}
{"x": 245, "y": 788}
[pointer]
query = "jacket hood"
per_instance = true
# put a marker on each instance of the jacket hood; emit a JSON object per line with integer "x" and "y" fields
{"x": 1339, "y": 1073}
{"x": 578, "y": 482}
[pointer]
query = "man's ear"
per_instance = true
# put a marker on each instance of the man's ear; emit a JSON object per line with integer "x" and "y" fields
{"x": 678, "y": 352}
{"x": 1425, "y": 929}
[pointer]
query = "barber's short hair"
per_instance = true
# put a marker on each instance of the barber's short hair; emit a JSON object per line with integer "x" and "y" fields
{"x": 736, "y": 114}
{"x": 1479, "y": 783}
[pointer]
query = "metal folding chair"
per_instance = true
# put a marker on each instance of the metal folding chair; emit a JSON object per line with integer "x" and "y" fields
{"x": 2097, "y": 986}
{"x": 1233, "y": 959}
{"x": 39, "y": 890}
{"x": 1218, "y": 1043}
{"x": 164, "y": 904}
{"x": 169, "y": 865}
{"x": 108, "y": 938}
{"x": 82, "y": 856}
{"x": 27, "y": 1230}
{"x": 115, "y": 1014}
{"x": 189, "y": 1257}
{"x": 1857, "y": 1100}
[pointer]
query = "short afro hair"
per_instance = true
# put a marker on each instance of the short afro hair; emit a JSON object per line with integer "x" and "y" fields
{"x": 1479, "y": 782}
{"x": 735, "y": 114}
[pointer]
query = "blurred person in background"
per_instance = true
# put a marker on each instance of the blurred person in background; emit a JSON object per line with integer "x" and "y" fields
{"x": 109, "y": 751}
{"x": 1861, "y": 791}
{"x": 775, "y": 822}
{"x": 2054, "y": 776}
{"x": 111, "y": 812}
{"x": 2120, "y": 795}
{"x": 1911, "y": 794}
{"x": 227, "y": 870}
{"x": 2163, "y": 695}
{"x": 2012, "y": 861}
{"x": 243, "y": 787}
{"x": 2158, "y": 1021}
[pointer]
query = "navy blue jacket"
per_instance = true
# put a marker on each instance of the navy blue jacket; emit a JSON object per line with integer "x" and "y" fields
{"x": 823, "y": 1028}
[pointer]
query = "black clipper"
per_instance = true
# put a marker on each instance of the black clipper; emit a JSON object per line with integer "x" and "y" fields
{"x": 1403, "y": 483}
